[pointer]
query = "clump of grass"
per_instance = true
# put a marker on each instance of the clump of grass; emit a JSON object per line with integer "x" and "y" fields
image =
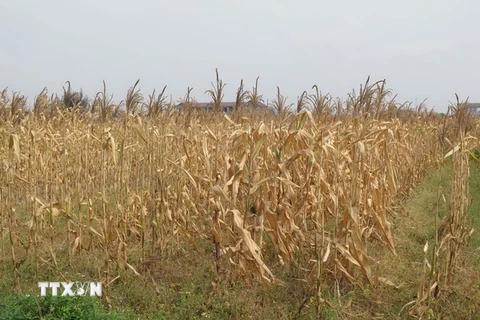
{"x": 16, "y": 307}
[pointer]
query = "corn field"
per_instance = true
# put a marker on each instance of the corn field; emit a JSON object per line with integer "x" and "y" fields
{"x": 314, "y": 187}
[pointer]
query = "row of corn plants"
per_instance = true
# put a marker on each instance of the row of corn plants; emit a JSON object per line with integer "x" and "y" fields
{"x": 313, "y": 189}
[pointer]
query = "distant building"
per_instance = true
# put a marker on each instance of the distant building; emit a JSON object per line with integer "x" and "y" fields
{"x": 475, "y": 107}
{"x": 224, "y": 106}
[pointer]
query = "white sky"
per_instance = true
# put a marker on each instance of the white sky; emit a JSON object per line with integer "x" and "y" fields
{"x": 423, "y": 48}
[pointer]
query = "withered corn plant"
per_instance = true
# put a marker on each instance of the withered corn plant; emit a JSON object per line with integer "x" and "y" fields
{"x": 217, "y": 92}
{"x": 253, "y": 96}
{"x": 12, "y": 110}
{"x": 156, "y": 103}
{"x": 134, "y": 99}
{"x": 457, "y": 230}
{"x": 452, "y": 235}
{"x": 321, "y": 105}
{"x": 279, "y": 104}
{"x": 240, "y": 98}
{"x": 103, "y": 104}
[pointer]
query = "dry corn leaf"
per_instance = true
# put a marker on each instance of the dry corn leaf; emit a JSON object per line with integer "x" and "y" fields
{"x": 15, "y": 145}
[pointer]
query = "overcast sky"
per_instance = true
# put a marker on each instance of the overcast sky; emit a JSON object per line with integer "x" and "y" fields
{"x": 424, "y": 49}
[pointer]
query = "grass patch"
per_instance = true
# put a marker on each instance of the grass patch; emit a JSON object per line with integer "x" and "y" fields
{"x": 18, "y": 307}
